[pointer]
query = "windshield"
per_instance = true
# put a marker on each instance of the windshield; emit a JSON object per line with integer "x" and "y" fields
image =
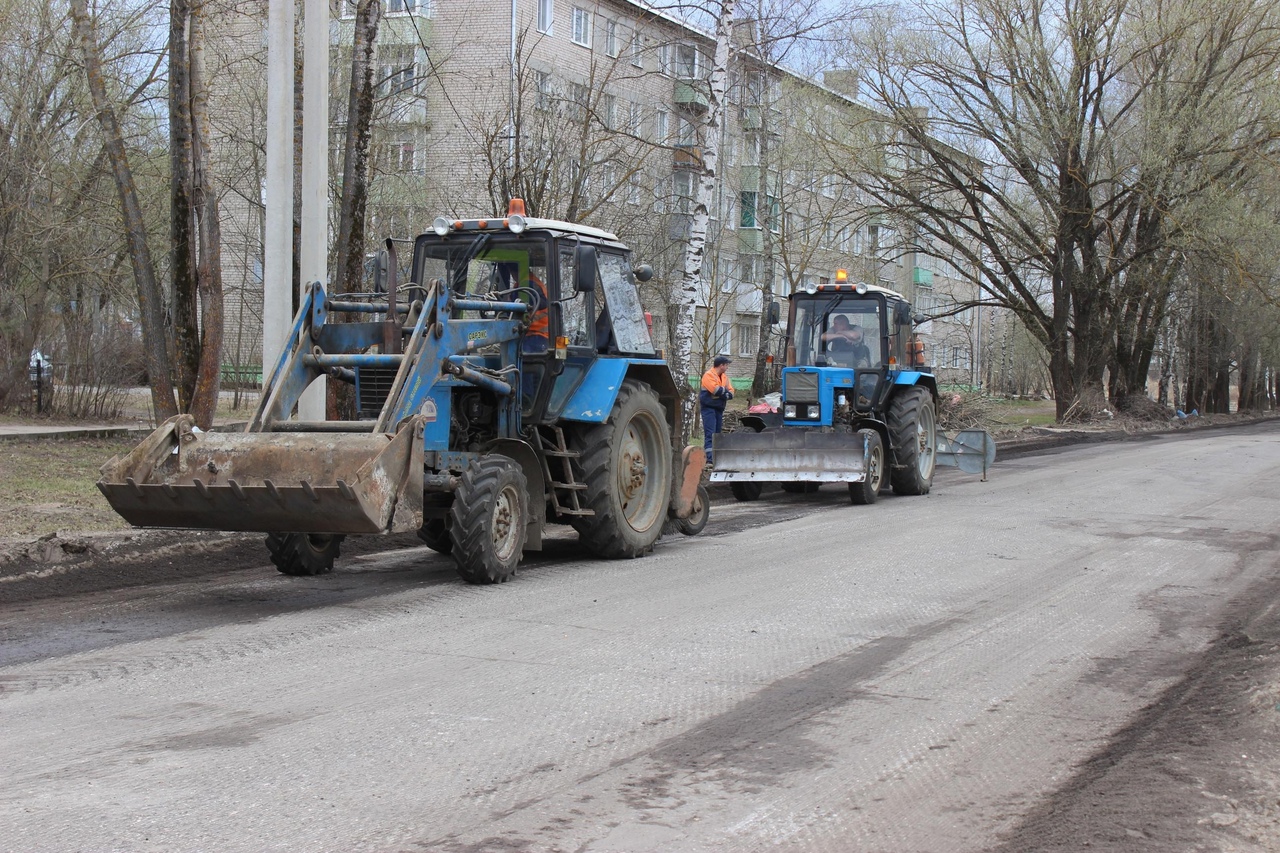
{"x": 505, "y": 269}
{"x": 839, "y": 331}
{"x": 630, "y": 329}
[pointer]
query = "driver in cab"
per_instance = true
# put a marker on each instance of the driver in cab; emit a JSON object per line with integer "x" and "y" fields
{"x": 846, "y": 342}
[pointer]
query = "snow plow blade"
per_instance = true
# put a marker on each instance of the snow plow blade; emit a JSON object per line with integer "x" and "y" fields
{"x": 270, "y": 481}
{"x": 788, "y": 455}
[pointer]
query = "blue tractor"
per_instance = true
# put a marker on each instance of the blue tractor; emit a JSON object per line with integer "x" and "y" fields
{"x": 509, "y": 384}
{"x": 858, "y": 404}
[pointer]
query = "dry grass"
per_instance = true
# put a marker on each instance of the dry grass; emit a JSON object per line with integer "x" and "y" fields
{"x": 49, "y": 486}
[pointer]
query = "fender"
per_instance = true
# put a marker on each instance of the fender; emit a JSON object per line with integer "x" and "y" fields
{"x": 593, "y": 399}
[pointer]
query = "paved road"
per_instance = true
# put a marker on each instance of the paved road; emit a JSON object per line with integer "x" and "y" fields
{"x": 911, "y": 676}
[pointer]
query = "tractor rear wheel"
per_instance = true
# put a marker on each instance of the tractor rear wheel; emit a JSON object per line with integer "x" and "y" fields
{"x": 914, "y": 432}
{"x": 746, "y": 491}
{"x": 626, "y": 466}
{"x": 487, "y": 520}
{"x": 868, "y": 490}
{"x": 304, "y": 554}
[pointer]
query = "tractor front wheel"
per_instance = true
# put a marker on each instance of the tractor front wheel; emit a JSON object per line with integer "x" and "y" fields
{"x": 304, "y": 554}
{"x": 746, "y": 491}
{"x": 698, "y": 517}
{"x": 914, "y": 432}
{"x": 868, "y": 490}
{"x": 625, "y": 464}
{"x": 487, "y": 520}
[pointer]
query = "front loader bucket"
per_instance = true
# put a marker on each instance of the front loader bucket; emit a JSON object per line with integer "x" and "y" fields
{"x": 278, "y": 481}
{"x": 789, "y": 455}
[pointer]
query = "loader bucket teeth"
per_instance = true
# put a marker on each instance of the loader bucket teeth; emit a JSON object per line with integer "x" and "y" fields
{"x": 365, "y": 483}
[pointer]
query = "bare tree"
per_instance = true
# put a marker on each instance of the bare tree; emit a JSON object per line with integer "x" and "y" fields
{"x": 150, "y": 298}
{"x": 1057, "y": 146}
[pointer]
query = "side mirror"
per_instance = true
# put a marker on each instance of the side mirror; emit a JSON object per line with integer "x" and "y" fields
{"x": 902, "y": 313}
{"x": 585, "y": 257}
{"x": 775, "y": 314}
{"x": 380, "y": 272}
{"x": 919, "y": 318}
{"x": 644, "y": 272}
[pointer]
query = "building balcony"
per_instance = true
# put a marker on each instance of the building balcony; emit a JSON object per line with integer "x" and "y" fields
{"x": 690, "y": 96}
{"x": 751, "y": 240}
{"x": 687, "y": 157}
{"x": 921, "y": 277}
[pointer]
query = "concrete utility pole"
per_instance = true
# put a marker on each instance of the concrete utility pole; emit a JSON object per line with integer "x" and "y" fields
{"x": 277, "y": 272}
{"x": 314, "y": 259}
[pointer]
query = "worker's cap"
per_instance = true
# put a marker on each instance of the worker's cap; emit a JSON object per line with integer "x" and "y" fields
{"x": 721, "y": 360}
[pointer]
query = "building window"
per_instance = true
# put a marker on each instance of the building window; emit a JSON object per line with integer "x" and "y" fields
{"x": 611, "y": 41}
{"x": 748, "y": 218}
{"x": 633, "y": 188}
{"x": 829, "y": 186}
{"x": 544, "y": 95}
{"x": 581, "y": 27}
{"x": 637, "y": 50}
{"x": 774, "y": 214}
{"x": 747, "y": 339}
{"x": 405, "y": 7}
{"x": 749, "y": 269}
{"x": 730, "y": 215}
{"x": 686, "y": 62}
{"x": 686, "y": 133}
{"x": 724, "y": 340}
{"x": 405, "y": 155}
{"x": 684, "y": 186}
{"x": 664, "y": 59}
{"x": 546, "y": 15}
{"x": 609, "y": 111}
{"x": 661, "y": 127}
{"x": 635, "y": 120}
{"x": 859, "y": 241}
{"x": 398, "y": 69}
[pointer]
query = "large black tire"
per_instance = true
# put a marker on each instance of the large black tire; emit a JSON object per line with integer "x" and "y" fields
{"x": 304, "y": 554}
{"x": 487, "y": 520}
{"x": 746, "y": 491}
{"x": 866, "y": 492}
{"x": 914, "y": 432}
{"x": 626, "y": 466}
{"x": 698, "y": 518}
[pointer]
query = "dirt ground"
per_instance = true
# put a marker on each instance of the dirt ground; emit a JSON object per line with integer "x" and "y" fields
{"x": 1197, "y": 770}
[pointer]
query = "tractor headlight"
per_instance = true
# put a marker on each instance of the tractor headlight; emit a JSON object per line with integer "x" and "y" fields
{"x": 810, "y": 287}
{"x": 516, "y": 223}
{"x": 440, "y": 226}
{"x": 815, "y": 413}
{"x": 789, "y": 410}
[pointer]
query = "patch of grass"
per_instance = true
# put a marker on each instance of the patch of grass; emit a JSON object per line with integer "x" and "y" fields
{"x": 49, "y": 486}
{"x": 1022, "y": 413}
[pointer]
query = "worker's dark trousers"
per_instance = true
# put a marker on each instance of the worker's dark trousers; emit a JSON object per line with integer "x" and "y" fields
{"x": 712, "y": 421}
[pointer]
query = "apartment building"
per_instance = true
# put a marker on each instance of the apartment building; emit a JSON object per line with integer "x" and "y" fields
{"x": 594, "y": 112}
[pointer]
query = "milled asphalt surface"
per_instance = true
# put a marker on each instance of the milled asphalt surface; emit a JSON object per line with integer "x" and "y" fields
{"x": 912, "y": 676}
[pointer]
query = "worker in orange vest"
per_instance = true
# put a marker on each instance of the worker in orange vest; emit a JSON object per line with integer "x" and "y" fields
{"x": 715, "y": 394}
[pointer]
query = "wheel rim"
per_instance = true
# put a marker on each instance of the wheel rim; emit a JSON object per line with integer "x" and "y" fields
{"x": 875, "y": 466}
{"x": 924, "y": 436}
{"x": 504, "y": 522}
{"x": 318, "y": 542}
{"x": 640, "y": 491}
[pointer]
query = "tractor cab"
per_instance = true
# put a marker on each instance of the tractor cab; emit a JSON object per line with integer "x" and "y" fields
{"x": 578, "y": 284}
{"x": 844, "y": 344}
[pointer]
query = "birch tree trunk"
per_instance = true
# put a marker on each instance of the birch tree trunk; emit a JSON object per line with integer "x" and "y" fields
{"x": 703, "y": 199}
{"x": 150, "y": 300}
